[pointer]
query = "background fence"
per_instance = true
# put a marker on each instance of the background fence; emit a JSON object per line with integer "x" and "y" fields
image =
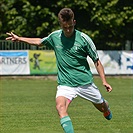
{"x": 9, "y": 45}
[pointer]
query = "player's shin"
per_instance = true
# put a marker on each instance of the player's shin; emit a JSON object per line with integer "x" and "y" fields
{"x": 107, "y": 114}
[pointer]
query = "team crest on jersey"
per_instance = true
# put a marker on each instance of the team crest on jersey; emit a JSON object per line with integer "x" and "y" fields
{"x": 76, "y": 46}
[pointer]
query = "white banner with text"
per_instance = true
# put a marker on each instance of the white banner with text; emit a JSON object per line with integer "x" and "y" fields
{"x": 14, "y": 63}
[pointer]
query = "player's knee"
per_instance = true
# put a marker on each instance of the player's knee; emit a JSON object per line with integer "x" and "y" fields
{"x": 60, "y": 107}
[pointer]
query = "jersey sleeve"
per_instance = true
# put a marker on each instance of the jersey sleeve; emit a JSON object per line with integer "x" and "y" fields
{"x": 47, "y": 41}
{"x": 90, "y": 48}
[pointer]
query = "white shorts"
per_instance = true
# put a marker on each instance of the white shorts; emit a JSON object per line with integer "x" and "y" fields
{"x": 89, "y": 92}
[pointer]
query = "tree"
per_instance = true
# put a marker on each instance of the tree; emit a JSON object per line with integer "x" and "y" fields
{"x": 108, "y": 23}
{"x": 114, "y": 20}
{"x": 23, "y": 18}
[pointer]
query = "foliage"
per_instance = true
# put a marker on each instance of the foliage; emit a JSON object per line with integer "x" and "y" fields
{"x": 108, "y": 23}
{"x": 26, "y": 19}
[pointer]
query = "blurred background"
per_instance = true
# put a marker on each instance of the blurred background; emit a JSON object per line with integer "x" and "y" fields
{"x": 108, "y": 22}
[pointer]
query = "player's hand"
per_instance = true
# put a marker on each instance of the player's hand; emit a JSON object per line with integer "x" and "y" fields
{"x": 12, "y": 37}
{"x": 108, "y": 87}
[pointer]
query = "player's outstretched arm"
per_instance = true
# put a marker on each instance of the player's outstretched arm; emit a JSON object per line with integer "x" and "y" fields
{"x": 100, "y": 70}
{"x": 32, "y": 41}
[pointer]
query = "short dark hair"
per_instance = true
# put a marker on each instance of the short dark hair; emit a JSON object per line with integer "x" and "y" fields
{"x": 65, "y": 14}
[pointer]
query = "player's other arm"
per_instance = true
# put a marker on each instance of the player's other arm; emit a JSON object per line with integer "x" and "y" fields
{"x": 31, "y": 41}
{"x": 100, "y": 70}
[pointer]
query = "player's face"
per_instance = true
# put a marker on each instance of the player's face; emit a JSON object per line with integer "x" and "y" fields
{"x": 68, "y": 27}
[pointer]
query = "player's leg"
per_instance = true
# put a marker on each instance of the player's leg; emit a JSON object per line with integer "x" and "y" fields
{"x": 64, "y": 97}
{"x": 92, "y": 93}
{"x": 103, "y": 107}
{"x": 62, "y": 104}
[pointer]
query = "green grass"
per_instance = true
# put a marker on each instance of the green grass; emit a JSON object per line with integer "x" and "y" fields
{"x": 28, "y": 106}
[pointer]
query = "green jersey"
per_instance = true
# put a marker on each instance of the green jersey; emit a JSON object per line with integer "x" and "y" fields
{"x": 71, "y": 57}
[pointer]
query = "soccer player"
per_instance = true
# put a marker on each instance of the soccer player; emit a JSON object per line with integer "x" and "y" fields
{"x": 74, "y": 76}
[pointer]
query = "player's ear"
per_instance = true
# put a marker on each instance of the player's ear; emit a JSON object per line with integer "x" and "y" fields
{"x": 74, "y": 21}
{"x": 60, "y": 23}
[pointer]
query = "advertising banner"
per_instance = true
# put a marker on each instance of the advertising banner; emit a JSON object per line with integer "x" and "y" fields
{"x": 42, "y": 62}
{"x": 114, "y": 62}
{"x": 14, "y": 62}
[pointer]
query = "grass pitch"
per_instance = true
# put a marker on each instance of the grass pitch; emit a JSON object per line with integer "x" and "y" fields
{"x": 28, "y": 106}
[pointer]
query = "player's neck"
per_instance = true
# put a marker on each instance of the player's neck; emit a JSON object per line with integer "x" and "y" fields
{"x": 69, "y": 35}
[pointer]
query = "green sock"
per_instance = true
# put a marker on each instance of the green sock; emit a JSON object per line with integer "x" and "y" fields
{"x": 66, "y": 124}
